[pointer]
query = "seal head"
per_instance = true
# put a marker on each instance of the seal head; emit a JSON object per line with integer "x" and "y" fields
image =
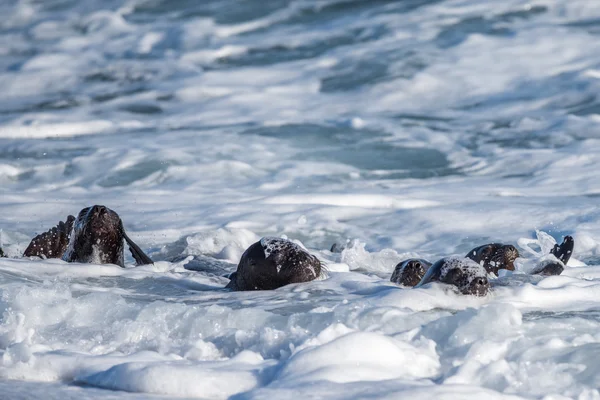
{"x": 410, "y": 272}
{"x": 495, "y": 256}
{"x": 468, "y": 276}
{"x": 95, "y": 236}
{"x": 272, "y": 263}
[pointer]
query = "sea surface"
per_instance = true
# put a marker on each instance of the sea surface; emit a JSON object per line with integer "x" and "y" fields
{"x": 394, "y": 129}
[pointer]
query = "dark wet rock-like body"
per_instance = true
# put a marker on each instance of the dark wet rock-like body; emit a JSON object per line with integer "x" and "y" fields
{"x": 468, "y": 276}
{"x": 562, "y": 252}
{"x": 495, "y": 256}
{"x": 272, "y": 263}
{"x": 410, "y": 272}
{"x": 95, "y": 236}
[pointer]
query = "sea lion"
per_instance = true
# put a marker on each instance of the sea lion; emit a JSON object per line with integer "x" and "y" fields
{"x": 468, "y": 276}
{"x": 410, "y": 272}
{"x": 95, "y": 236}
{"x": 271, "y": 263}
{"x": 495, "y": 256}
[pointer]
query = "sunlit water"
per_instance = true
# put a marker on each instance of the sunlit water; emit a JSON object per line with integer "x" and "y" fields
{"x": 395, "y": 128}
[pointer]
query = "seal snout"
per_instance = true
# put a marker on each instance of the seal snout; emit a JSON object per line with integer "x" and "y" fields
{"x": 479, "y": 286}
{"x": 99, "y": 210}
{"x": 510, "y": 254}
{"x": 415, "y": 267}
{"x": 410, "y": 272}
{"x": 495, "y": 256}
{"x": 413, "y": 273}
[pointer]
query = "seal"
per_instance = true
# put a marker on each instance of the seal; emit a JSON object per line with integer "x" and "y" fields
{"x": 492, "y": 257}
{"x": 469, "y": 277}
{"x": 562, "y": 253}
{"x": 51, "y": 244}
{"x": 410, "y": 272}
{"x": 271, "y": 263}
{"x": 495, "y": 256}
{"x": 95, "y": 236}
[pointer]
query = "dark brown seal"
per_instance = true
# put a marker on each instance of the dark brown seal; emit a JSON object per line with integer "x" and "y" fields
{"x": 95, "y": 236}
{"x": 272, "y": 263}
{"x": 410, "y": 272}
{"x": 492, "y": 257}
{"x": 469, "y": 277}
{"x": 495, "y": 256}
{"x": 51, "y": 244}
{"x": 562, "y": 253}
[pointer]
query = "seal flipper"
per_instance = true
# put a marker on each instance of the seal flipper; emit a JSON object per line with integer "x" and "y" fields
{"x": 563, "y": 253}
{"x": 138, "y": 254}
{"x": 232, "y": 278}
{"x": 564, "y": 250}
{"x": 51, "y": 244}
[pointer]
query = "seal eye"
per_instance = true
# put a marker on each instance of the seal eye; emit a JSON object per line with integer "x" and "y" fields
{"x": 456, "y": 277}
{"x": 487, "y": 252}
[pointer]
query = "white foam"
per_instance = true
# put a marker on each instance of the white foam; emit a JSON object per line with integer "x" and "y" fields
{"x": 56, "y": 130}
{"x": 215, "y": 380}
{"x": 345, "y": 360}
{"x": 367, "y": 201}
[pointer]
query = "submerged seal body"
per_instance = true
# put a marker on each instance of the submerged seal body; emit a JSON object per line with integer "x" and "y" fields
{"x": 410, "y": 272}
{"x": 464, "y": 273}
{"x": 495, "y": 256}
{"x": 95, "y": 236}
{"x": 273, "y": 262}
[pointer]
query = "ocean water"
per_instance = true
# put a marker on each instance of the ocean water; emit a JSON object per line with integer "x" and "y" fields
{"x": 393, "y": 128}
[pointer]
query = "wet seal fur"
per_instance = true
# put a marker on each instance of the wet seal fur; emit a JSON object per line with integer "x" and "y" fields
{"x": 410, "y": 272}
{"x": 562, "y": 253}
{"x": 495, "y": 256}
{"x": 95, "y": 236}
{"x": 469, "y": 277}
{"x": 492, "y": 257}
{"x": 271, "y": 263}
